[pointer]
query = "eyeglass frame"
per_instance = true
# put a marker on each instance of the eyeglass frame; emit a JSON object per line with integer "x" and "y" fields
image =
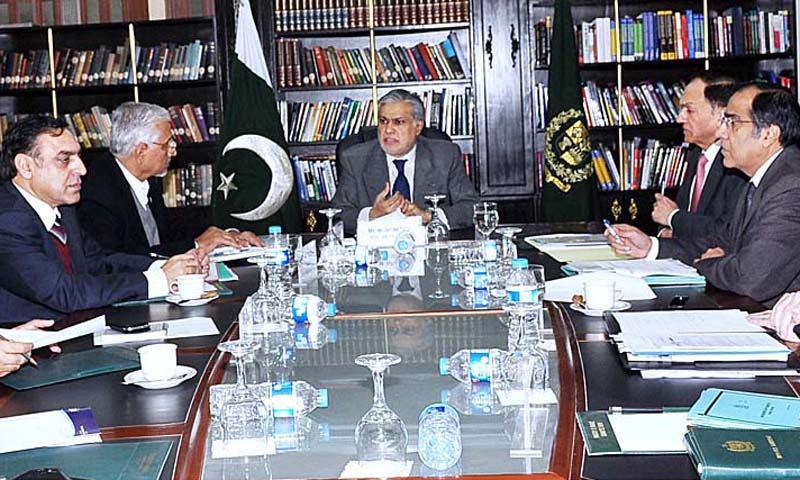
{"x": 171, "y": 144}
{"x": 730, "y": 120}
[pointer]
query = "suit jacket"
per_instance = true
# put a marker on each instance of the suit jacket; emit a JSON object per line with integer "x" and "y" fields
{"x": 439, "y": 169}
{"x": 762, "y": 252}
{"x": 720, "y": 193}
{"x": 107, "y": 210}
{"x": 34, "y": 282}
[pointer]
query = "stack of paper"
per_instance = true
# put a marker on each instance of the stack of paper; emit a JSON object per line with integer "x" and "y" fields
{"x": 666, "y": 271}
{"x": 562, "y": 289}
{"x": 179, "y": 328}
{"x": 71, "y": 426}
{"x": 569, "y": 247}
{"x": 718, "y": 408}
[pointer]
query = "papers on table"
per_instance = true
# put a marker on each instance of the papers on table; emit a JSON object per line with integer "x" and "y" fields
{"x": 567, "y": 240}
{"x": 179, "y": 328}
{"x": 666, "y": 271}
{"x": 376, "y": 469}
{"x": 562, "y": 289}
{"x": 575, "y": 247}
{"x": 56, "y": 428}
{"x": 43, "y": 338}
{"x": 632, "y": 433}
{"x": 225, "y": 254}
{"x": 718, "y": 408}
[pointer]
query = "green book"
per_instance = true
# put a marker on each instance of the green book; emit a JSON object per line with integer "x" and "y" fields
{"x": 607, "y": 433}
{"x": 725, "y": 454}
{"x": 72, "y": 366}
{"x": 141, "y": 460}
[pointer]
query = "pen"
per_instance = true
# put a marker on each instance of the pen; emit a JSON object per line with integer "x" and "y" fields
{"x": 158, "y": 257}
{"x": 663, "y": 188}
{"x": 611, "y": 230}
{"x": 623, "y": 410}
{"x": 28, "y": 357}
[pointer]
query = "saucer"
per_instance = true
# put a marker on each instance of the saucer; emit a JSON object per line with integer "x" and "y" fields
{"x": 618, "y": 307}
{"x": 176, "y": 299}
{"x": 182, "y": 373}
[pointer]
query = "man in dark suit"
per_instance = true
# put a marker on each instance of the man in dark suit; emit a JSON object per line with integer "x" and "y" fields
{"x": 757, "y": 254}
{"x": 50, "y": 266}
{"x": 121, "y": 203}
{"x": 709, "y": 193}
{"x": 396, "y": 171}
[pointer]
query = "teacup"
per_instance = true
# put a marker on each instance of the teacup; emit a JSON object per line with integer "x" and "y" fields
{"x": 188, "y": 287}
{"x": 600, "y": 294}
{"x": 159, "y": 361}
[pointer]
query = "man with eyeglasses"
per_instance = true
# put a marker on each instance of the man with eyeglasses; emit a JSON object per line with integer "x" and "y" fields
{"x": 122, "y": 204}
{"x": 757, "y": 254}
{"x": 709, "y": 192}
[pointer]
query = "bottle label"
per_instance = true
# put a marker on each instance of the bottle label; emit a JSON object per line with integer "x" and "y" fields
{"x": 481, "y": 298}
{"x": 522, "y": 295}
{"x": 480, "y": 366}
{"x": 279, "y": 257}
{"x": 489, "y": 251}
{"x": 480, "y": 279}
{"x": 300, "y": 309}
{"x": 283, "y": 400}
{"x": 453, "y": 278}
{"x": 481, "y": 399}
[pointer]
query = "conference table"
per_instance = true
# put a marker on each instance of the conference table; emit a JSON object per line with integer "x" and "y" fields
{"x": 538, "y": 442}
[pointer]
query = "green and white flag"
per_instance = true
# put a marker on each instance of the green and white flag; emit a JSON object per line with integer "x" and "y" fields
{"x": 254, "y": 183}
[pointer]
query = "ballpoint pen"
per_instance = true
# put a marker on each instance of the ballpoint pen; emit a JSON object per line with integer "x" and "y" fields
{"x": 623, "y": 410}
{"x": 612, "y": 231}
{"x": 27, "y": 356}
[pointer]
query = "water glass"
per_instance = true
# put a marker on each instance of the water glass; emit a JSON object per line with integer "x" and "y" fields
{"x": 486, "y": 219}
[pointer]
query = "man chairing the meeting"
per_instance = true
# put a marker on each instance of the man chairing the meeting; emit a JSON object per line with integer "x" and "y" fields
{"x": 395, "y": 172}
{"x": 121, "y": 203}
{"x": 50, "y": 266}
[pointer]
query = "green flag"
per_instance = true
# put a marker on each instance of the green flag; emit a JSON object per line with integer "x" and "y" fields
{"x": 254, "y": 183}
{"x": 569, "y": 183}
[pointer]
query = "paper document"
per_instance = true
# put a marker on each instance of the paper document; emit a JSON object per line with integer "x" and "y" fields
{"x": 655, "y": 272}
{"x": 179, "y": 328}
{"x": 43, "y": 338}
{"x": 72, "y": 426}
{"x": 562, "y": 289}
{"x": 632, "y": 433}
{"x": 567, "y": 240}
{"x": 225, "y": 254}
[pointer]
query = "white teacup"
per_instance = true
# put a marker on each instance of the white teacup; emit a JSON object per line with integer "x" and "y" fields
{"x": 188, "y": 287}
{"x": 159, "y": 361}
{"x": 600, "y": 294}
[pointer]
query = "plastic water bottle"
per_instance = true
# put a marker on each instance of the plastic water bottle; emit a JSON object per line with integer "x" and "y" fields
{"x": 439, "y": 436}
{"x": 296, "y": 399}
{"x": 523, "y": 304}
{"x": 479, "y": 365}
{"x": 277, "y": 246}
{"x": 298, "y": 434}
{"x": 473, "y": 399}
{"x": 311, "y": 309}
{"x": 313, "y": 336}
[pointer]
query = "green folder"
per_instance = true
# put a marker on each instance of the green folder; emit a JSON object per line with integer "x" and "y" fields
{"x": 72, "y": 366}
{"x": 142, "y": 460}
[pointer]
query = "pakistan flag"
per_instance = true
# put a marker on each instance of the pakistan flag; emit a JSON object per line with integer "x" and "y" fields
{"x": 569, "y": 182}
{"x": 253, "y": 180}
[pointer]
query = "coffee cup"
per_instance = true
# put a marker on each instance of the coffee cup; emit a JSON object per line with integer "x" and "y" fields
{"x": 600, "y": 294}
{"x": 188, "y": 287}
{"x": 159, "y": 361}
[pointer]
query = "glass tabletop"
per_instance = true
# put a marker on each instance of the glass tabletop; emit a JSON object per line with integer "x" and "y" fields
{"x": 496, "y": 439}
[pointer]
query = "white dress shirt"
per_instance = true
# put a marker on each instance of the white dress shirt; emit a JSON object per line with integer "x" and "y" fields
{"x": 140, "y": 189}
{"x": 711, "y": 156}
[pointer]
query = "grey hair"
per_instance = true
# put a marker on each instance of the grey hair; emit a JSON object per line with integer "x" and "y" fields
{"x": 400, "y": 95}
{"x": 135, "y": 123}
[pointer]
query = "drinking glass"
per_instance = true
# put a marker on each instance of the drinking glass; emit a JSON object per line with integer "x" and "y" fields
{"x": 437, "y": 260}
{"x": 381, "y": 433}
{"x": 436, "y": 230}
{"x": 333, "y": 280}
{"x": 486, "y": 219}
{"x": 244, "y": 417}
{"x": 330, "y": 238}
{"x": 508, "y": 250}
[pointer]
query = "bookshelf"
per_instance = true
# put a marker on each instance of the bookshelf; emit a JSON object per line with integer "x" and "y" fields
{"x": 651, "y": 61}
{"x": 171, "y": 63}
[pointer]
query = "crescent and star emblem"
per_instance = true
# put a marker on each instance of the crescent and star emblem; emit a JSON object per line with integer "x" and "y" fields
{"x": 226, "y": 184}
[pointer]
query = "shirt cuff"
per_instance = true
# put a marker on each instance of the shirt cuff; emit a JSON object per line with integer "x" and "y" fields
{"x": 363, "y": 215}
{"x": 157, "y": 285}
{"x": 652, "y": 254}
{"x": 669, "y": 218}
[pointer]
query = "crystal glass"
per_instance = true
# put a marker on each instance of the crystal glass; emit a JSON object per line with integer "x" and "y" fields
{"x": 437, "y": 260}
{"x": 330, "y": 238}
{"x": 436, "y": 229}
{"x": 295, "y": 256}
{"x": 381, "y": 433}
{"x": 333, "y": 279}
{"x": 508, "y": 250}
{"x": 244, "y": 418}
{"x": 486, "y": 219}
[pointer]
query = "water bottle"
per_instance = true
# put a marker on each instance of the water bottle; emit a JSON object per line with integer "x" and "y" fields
{"x": 523, "y": 304}
{"x": 478, "y": 365}
{"x": 296, "y": 399}
{"x": 299, "y": 434}
{"x": 473, "y": 399}
{"x": 277, "y": 246}
{"x": 313, "y": 336}
{"x": 311, "y": 309}
{"x": 404, "y": 242}
{"x": 439, "y": 436}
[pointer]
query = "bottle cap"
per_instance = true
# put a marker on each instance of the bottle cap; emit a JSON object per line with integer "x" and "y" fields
{"x": 324, "y": 432}
{"x": 331, "y": 310}
{"x": 519, "y": 263}
{"x": 322, "y": 397}
{"x": 332, "y": 335}
{"x": 274, "y": 229}
{"x": 444, "y": 366}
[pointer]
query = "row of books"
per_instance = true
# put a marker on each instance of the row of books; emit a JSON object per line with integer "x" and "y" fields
{"x": 452, "y": 113}
{"x": 541, "y": 97}
{"x": 189, "y": 186}
{"x": 542, "y": 33}
{"x": 22, "y": 70}
{"x": 645, "y": 164}
{"x": 6, "y": 120}
{"x": 324, "y": 121}
{"x": 646, "y": 103}
{"x": 169, "y": 62}
{"x": 310, "y": 15}
{"x": 733, "y": 32}
{"x": 103, "y": 66}
{"x": 330, "y": 66}
{"x": 316, "y": 177}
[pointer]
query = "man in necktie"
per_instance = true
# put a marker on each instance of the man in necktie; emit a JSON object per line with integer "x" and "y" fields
{"x": 709, "y": 191}
{"x": 122, "y": 204}
{"x": 50, "y": 266}
{"x": 393, "y": 174}
{"x": 757, "y": 253}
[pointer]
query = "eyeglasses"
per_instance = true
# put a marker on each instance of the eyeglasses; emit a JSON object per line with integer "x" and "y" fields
{"x": 730, "y": 121}
{"x": 171, "y": 144}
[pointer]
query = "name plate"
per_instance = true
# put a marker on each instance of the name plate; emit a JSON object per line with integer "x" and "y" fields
{"x": 383, "y": 232}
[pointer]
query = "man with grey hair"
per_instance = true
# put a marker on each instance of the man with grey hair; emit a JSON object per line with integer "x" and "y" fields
{"x": 395, "y": 172}
{"x": 122, "y": 205}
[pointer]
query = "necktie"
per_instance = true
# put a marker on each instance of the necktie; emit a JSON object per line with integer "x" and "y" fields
{"x": 699, "y": 179}
{"x": 405, "y": 285}
{"x": 148, "y": 223}
{"x": 401, "y": 182}
{"x": 751, "y": 192}
{"x": 59, "y": 236}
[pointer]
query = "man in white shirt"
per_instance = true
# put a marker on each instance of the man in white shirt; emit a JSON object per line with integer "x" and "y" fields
{"x": 50, "y": 266}
{"x": 757, "y": 254}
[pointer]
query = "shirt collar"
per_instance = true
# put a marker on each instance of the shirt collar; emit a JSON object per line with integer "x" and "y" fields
{"x": 711, "y": 152}
{"x": 46, "y": 213}
{"x": 409, "y": 157}
{"x": 140, "y": 188}
{"x": 762, "y": 170}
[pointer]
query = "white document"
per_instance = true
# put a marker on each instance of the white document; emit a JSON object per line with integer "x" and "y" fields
{"x": 562, "y": 289}
{"x": 383, "y": 231}
{"x": 650, "y": 432}
{"x": 48, "y": 429}
{"x": 376, "y": 469}
{"x": 178, "y": 328}
{"x": 567, "y": 240}
{"x": 669, "y": 373}
{"x": 638, "y": 268}
{"x": 224, "y": 254}
{"x": 43, "y": 338}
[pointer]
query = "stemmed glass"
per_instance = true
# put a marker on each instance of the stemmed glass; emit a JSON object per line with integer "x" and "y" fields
{"x": 244, "y": 417}
{"x": 437, "y": 259}
{"x": 486, "y": 218}
{"x": 437, "y": 230}
{"x": 381, "y": 433}
{"x": 330, "y": 238}
{"x": 508, "y": 249}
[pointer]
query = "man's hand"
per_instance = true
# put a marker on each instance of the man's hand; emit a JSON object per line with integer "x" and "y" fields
{"x": 411, "y": 209}
{"x": 662, "y": 209}
{"x": 665, "y": 233}
{"x": 384, "y": 206}
{"x": 247, "y": 239}
{"x": 632, "y": 241}
{"x": 10, "y": 352}
{"x": 714, "y": 252}
{"x": 193, "y": 261}
{"x": 215, "y": 237}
